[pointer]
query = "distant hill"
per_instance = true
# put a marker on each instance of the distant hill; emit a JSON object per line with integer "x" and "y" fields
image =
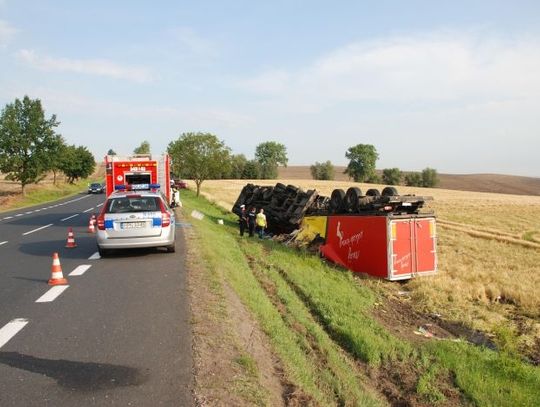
{"x": 501, "y": 184}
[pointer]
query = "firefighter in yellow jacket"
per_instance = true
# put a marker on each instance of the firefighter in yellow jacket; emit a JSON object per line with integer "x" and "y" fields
{"x": 260, "y": 221}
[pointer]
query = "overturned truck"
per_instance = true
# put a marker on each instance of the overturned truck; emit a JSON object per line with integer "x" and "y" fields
{"x": 381, "y": 233}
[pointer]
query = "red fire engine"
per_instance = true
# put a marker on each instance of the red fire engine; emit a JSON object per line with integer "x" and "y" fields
{"x": 137, "y": 170}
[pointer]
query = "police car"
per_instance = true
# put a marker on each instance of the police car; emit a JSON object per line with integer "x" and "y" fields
{"x": 134, "y": 217}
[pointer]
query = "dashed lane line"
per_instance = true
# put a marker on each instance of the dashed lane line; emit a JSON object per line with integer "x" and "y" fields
{"x": 4, "y": 242}
{"x": 80, "y": 270}
{"x": 69, "y": 217}
{"x": 101, "y": 204}
{"x": 53, "y": 293}
{"x": 35, "y": 230}
{"x": 88, "y": 210}
{"x": 11, "y": 329}
{"x": 95, "y": 256}
{"x": 46, "y": 207}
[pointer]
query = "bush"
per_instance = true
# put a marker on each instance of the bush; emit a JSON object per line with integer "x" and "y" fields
{"x": 391, "y": 176}
{"x": 413, "y": 179}
{"x": 430, "y": 177}
{"x": 322, "y": 171}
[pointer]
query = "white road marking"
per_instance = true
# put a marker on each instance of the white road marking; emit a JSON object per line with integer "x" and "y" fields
{"x": 97, "y": 206}
{"x": 95, "y": 256}
{"x": 88, "y": 210}
{"x": 28, "y": 213}
{"x": 1, "y": 243}
{"x": 52, "y": 293}
{"x": 8, "y": 217}
{"x": 11, "y": 329}
{"x": 19, "y": 214}
{"x": 80, "y": 270}
{"x": 69, "y": 217}
{"x": 35, "y": 230}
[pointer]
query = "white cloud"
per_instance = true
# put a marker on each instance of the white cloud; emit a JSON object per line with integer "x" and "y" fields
{"x": 7, "y": 32}
{"x": 440, "y": 67}
{"x": 193, "y": 42}
{"x": 99, "y": 67}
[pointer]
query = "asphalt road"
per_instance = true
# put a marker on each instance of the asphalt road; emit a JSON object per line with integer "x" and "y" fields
{"x": 119, "y": 334}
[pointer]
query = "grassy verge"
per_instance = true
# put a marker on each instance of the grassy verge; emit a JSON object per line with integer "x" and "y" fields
{"x": 319, "y": 323}
{"x": 42, "y": 193}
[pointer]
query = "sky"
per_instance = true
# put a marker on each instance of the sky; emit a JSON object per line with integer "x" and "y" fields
{"x": 448, "y": 85}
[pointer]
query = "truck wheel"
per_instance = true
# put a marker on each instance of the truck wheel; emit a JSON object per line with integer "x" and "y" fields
{"x": 336, "y": 200}
{"x": 351, "y": 199}
{"x": 373, "y": 192}
{"x": 389, "y": 191}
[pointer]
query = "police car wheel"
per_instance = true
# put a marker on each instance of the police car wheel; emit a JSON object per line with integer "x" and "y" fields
{"x": 103, "y": 252}
{"x": 171, "y": 248}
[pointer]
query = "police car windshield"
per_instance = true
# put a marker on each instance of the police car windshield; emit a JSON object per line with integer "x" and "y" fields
{"x": 129, "y": 204}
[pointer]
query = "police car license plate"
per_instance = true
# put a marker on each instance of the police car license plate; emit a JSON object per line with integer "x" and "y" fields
{"x": 133, "y": 225}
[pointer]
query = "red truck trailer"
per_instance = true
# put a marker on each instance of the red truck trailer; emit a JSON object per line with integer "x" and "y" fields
{"x": 392, "y": 247}
{"x": 136, "y": 170}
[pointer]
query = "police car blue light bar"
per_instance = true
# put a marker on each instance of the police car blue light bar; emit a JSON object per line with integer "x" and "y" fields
{"x": 119, "y": 187}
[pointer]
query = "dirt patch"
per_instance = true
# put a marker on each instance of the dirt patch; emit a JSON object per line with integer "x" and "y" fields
{"x": 233, "y": 363}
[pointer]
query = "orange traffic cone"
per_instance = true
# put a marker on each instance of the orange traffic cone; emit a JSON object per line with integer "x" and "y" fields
{"x": 71, "y": 239}
{"x": 57, "y": 278}
{"x": 91, "y": 223}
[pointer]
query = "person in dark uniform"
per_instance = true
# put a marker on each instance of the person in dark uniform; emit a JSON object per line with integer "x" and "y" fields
{"x": 243, "y": 221}
{"x": 251, "y": 221}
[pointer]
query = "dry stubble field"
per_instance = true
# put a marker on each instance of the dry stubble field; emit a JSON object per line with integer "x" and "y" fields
{"x": 488, "y": 252}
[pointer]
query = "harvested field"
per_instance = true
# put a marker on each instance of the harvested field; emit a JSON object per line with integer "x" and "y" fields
{"x": 489, "y": 252}
{"x": 497, "y": 183}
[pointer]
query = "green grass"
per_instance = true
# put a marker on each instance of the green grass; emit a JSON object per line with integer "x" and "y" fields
{"x": 318, "y": 320}
{"x": 46, "y": 193}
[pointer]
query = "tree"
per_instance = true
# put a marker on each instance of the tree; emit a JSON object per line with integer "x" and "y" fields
{"x": 57, "y": 149}
{"x": 199, "y": 156}
{"x": 374, "y": 178}
{"x": 27, "y": 141}
{"x": 391, "y": 176}
{"x": 111, "y": 152}
{"x": 430, "y": 178}
{"x": 76, "y": 162}
{"x": 322, "y": 171}
{"x": 413, "y": 179}
{"x": 362, "y": 162}
{"x": 237, "y": 165}
{"x": 144, "y": 148}
{"x": 269, "y": 155}
{"x": 252, "y": 170}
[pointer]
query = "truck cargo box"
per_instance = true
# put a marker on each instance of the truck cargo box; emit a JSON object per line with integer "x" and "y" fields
{"x": 391, "y": 247}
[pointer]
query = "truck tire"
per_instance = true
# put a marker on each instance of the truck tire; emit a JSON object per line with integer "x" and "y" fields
{"x": 351, "y": 199}
{"x": 336, "y": 200}
{"x": 373, "y": 192}
{"x": 389, "y": 191}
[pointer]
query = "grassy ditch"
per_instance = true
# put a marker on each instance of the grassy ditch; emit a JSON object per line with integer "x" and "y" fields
{"x": 318, "y": 319}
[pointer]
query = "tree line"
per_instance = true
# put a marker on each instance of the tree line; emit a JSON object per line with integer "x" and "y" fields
{"x": 201, "y": 156}
{"x": 30, "y": 148}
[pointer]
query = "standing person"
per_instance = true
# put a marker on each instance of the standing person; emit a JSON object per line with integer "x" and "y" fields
{"x": 252, "y": 214}
{"x": 261, "y": 223}
{"x": 243, "y": 221}
{"x": 173, "y": 200}
{"x": 176, "y": 197}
